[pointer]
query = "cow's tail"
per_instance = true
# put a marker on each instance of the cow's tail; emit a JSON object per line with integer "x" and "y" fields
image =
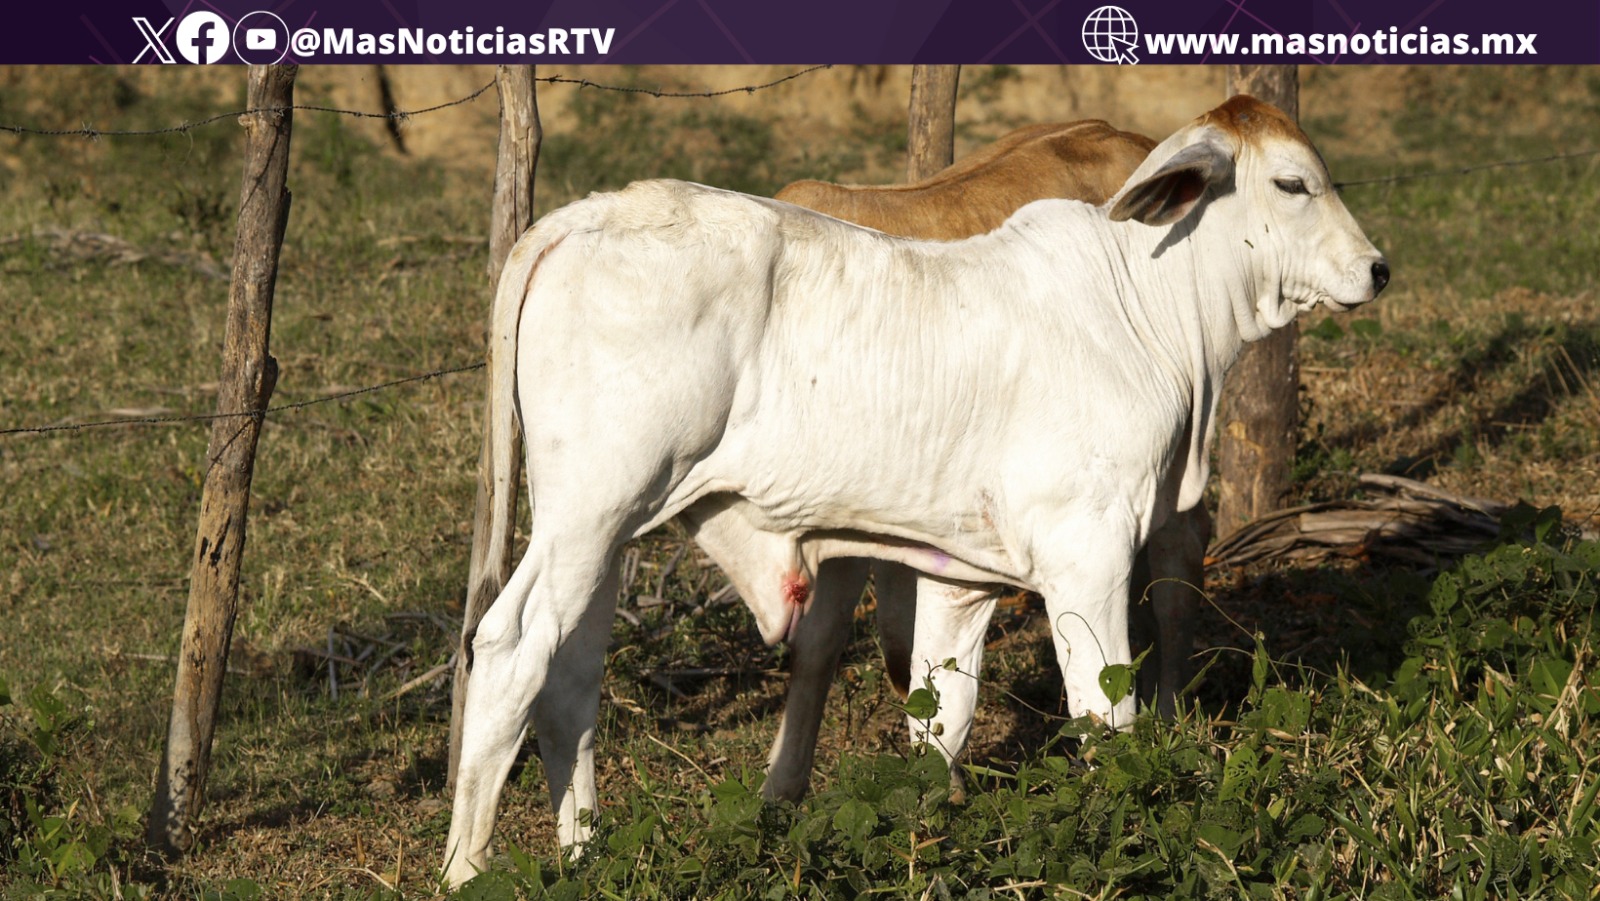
{"x": 516, "y": 280}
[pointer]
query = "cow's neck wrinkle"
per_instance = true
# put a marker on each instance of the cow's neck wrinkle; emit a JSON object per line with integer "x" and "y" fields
{"x": 1195, "y": 300}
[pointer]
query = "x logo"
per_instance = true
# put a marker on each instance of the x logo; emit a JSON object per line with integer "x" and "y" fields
{"x": 152, "y": 40}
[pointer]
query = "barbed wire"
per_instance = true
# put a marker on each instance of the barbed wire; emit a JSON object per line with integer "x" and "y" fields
{"x": 87, "y": 131}
{"x": 401, "y": 115}
{"x": 1465, "y": 170}
{"x": 656, "y": 92}
{"x": 96, "y": 133}
{"x": 92, "y": 133}
{"x": 211, "y": 417}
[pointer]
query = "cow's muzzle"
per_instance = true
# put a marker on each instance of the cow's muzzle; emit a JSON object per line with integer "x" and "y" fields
{"x": 1380, "y": 277}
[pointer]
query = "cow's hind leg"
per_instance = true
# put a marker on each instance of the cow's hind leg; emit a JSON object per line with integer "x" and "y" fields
{"x": 565, "y": 712}
{"x": 895, "y": 587}
{"x": 540, "y": 646}
{"x": 811, "y": 612}
{"x": 1168, "y": 584}
{"x": 815, "y": 647}
{"x": 493, "y": 720}
{"x": 540, "y": 649}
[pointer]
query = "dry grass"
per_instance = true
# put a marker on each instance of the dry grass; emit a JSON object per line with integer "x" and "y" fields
{"x": 1483, "y": 378}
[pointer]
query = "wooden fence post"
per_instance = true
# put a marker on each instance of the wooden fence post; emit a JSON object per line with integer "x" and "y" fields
{"x": 520, "y": 135}
{"x": 248, "y": 376}
{"x": 931, "y": 141}
{"x": 1260, "y": 415}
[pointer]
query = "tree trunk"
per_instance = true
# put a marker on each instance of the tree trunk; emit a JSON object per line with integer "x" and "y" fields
{"x": 1259, "y": 420}
{"x": 248, "y": 376}
{"x": 931, "y": 140}
{"x": 520, "y": 135}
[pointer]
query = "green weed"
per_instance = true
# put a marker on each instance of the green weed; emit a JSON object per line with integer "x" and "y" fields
{"x": 1464, "y": 770}
{"x": 53, "y": 842}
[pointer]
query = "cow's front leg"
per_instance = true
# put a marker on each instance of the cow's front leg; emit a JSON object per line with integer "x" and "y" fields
{"x": 951, "y": 619}
{"x": 1088, "y": 609}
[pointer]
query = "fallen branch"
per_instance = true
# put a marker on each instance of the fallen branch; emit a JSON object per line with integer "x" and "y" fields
{"x": 96, "y": 246}
{"x": 422, "y": 680}
{"x": 1415, "y": 488}
{"x": 1416, "y": 523}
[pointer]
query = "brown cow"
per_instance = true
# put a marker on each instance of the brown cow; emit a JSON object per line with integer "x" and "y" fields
{"x": 1086, "y": 161}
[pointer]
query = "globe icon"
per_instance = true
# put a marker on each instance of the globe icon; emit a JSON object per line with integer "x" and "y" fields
{"x": 1109, "y": 34}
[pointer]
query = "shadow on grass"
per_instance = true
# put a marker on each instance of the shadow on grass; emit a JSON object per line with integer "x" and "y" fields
{"x": 1559, "y": 361}
{"x": 1313, "y": 622}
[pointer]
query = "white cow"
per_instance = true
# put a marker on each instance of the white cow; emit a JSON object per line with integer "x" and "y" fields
{"x": 1088, "y": 161}
{"x": 1016, "y": 408}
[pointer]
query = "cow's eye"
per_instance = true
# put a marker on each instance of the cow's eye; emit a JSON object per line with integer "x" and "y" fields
{"x": 1291, "y": 185}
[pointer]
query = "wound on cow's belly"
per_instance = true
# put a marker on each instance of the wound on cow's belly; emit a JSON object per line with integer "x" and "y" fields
{"x": 795, "y": 589}
{"x": 795, "y": 593}
{"x": 941, "y": 560}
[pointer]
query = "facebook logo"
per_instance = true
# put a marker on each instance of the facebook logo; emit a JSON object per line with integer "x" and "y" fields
{"x": 202, "y": 37}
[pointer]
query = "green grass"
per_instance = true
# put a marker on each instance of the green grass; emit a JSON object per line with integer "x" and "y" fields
{"x": 1476, "y": 235}
{"x": 1465, "y": 770}
{"x": 1391, "y": 734}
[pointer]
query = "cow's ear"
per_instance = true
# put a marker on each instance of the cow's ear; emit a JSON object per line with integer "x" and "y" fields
{"x": 1169, "y": 192}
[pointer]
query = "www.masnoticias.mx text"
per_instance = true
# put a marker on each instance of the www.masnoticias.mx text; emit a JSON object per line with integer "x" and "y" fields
{"x": 1384, "y": 42}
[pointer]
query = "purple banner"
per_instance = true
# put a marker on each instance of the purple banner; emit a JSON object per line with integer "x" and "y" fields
{"x": 187, "y": 32}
